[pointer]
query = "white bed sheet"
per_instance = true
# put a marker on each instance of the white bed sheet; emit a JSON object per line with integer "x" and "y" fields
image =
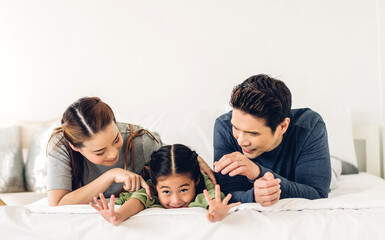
{"x": 354, "y": 210}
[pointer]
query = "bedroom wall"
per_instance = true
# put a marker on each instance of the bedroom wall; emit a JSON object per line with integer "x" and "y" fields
{"x": 177, "y": 54}
{"x": 381, "y": 44}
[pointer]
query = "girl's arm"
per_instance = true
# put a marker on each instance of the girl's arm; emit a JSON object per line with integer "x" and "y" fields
{"x": 84, "y": 195}
{"x": 218, "y": 209}
{"x": 131, "y": 207}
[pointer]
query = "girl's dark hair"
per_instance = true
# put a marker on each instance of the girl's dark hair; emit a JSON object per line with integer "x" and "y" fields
{"x": 80, "y": 122}
{"x": 264, "y": 97}
{"x": 176, "y": 159}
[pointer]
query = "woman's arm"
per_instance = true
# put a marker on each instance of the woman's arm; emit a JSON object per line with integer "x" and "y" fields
{"x": 131, "y": 207}
{"x": 81, "y": 195}
{"x": 131, "y": 182}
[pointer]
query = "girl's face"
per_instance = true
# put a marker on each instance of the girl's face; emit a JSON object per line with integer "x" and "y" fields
{"x": 103, "y": 148}
{"x": 176, "y": 190}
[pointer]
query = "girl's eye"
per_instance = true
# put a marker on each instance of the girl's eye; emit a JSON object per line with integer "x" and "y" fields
{"x": 183, "y": 190}
{"x": 117, "y": 140}
{"x": 166, "y": 192}
{"x": 100, "y": 154}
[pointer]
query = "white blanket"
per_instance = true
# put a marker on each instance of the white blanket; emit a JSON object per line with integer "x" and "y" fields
{"x": 352, "y": 192}
{"x": 354, "y": 210}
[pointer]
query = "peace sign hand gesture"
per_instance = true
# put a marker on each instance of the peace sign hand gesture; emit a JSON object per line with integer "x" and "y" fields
{"x": 218, "y": 208}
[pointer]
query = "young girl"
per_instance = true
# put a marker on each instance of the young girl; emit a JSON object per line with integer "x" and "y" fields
{"x": 176, "y": 181}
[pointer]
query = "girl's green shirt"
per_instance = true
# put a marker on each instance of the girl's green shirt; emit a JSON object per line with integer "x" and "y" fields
{"x": 199, "y": 201}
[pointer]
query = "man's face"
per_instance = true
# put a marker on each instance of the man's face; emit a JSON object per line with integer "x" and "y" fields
{"x": 253, "y": 135}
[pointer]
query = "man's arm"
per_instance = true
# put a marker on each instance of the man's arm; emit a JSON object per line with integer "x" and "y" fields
{"x": 312, "y": 172}
{"x": 239, "y": 186}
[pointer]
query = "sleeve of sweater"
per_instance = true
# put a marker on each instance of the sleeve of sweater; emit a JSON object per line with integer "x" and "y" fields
{"x": 239, "y": 187}
{"x": 312, "y": 170}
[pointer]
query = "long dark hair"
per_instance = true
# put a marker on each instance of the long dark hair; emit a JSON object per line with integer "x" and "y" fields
{"x": 80, "y": 122}
{"x": 176, "y": 159}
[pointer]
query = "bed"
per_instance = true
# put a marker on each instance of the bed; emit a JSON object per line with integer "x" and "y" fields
{"x": 355, "y": 208}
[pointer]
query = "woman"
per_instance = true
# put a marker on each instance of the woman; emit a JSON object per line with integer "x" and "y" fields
{"x": 91, "y": 153}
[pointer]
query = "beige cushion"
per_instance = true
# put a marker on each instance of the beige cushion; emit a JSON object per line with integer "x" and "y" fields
{"x": 36, "y": 164}
{"x": 11, "y": 160}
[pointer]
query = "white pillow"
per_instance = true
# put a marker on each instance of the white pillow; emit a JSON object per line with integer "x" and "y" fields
{"x": 11, "y": 160}
{"x": 340, "y": 133}
{"x": 37, "y": 161}
{"x": 193, "y": 128}
{"x": 336, "y": 172}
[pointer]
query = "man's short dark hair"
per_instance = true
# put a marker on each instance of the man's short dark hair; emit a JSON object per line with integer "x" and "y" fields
{"x": 264, "y": 97}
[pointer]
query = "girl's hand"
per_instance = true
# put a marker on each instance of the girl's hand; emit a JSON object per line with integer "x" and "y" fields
{"x": 206, "y": 169}
{"x": 217, "y": 208}
{"x": 131, "y": 181}
{"x": 107, "y": 212}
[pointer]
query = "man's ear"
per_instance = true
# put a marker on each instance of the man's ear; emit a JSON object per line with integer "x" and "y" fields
{"x": 284, "y": 125}
{"x": 73, "y": 147}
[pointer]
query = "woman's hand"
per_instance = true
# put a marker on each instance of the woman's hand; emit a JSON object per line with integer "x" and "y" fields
{"x": 107, "y": 212}
{"x": 206, "y": 169}
{"x": 131, "y": 181}
{"x": 218, "y": 208}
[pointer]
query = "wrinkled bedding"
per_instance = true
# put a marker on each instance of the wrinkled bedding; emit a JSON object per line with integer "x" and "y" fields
{"x": 355, "y": 209}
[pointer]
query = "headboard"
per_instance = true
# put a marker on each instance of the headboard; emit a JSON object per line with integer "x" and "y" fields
{"x": 367, "y": 144}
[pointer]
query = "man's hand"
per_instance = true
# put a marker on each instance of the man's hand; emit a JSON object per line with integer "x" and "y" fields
{"x": 267, "y": 190}
{"x": 237, "y": 164}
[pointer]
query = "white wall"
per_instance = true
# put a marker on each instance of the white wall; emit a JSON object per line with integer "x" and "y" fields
{"x": 381, "y": 61}
{"x": 188, "y": 53}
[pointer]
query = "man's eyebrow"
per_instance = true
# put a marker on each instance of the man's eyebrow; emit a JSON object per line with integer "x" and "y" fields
{"x": 244, "y": 131}
{"x": 104, "y": 147}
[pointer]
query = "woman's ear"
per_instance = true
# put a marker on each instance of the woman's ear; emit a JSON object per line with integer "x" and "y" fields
{"x": 73, "y": 147}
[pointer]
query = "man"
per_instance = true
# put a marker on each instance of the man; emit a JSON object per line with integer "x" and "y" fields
{"x": 264, "y": 151}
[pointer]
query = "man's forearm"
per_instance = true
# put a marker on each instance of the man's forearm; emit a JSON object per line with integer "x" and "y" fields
{"x": 243, "y": 196}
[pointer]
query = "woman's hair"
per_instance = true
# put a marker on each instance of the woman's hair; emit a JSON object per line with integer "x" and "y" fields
{"x": 80, "y": 122}
{"x": 176, "y": 159}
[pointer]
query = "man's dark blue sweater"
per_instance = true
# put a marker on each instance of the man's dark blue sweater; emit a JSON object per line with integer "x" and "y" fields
{"x": 301, "y": 160}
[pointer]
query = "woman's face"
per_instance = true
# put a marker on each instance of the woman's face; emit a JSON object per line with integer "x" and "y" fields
{"x": 103, "y": 148}
{"x": 176, "y": 190}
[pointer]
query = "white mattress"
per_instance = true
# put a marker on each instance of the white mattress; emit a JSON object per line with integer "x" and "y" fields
{"x": 354, "y": 210}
